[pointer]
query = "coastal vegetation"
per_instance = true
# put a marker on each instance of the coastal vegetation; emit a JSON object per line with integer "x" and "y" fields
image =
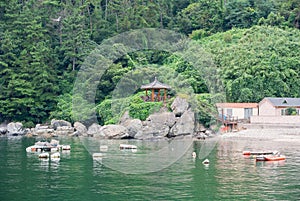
{"x": 254, "y": 44}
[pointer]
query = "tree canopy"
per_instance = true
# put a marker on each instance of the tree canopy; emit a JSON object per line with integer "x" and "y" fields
{"x": 254, "y": 43}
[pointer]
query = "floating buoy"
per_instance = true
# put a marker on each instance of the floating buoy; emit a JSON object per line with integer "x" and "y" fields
{"x": 194, "y": 154}
{"x": 44, "y": 155}
{"x": 205, "y": 162}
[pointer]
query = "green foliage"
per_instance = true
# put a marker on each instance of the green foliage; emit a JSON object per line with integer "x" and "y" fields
{"x": 41, "y": 55}
{"x": 204, "y": 107}
{"x": 259, "y": 62}
{"x": 134, "y": 104}
{"x": 291, "y": 111}
{"x": 141, "y": 110}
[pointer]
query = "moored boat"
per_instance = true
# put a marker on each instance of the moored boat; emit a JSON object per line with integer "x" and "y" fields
{"x": 270, "y": 158}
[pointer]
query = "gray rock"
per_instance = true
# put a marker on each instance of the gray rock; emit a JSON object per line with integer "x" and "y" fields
{"x": 157, "y": 126}
{"x": 179, "y": 106}
{"x": 125, "y": 118}
{"x": 165, "y": 118}
{"x": 15, "y": 128}
{"x": 113, "y": 131}
{"x": 42, "y": 130}
{"x": 59, "y": 123}
{"x": 80, "y": 129}
{"x": 64, "y": 130}
{"x": 133, "y": 126}
{"x": 185, "y": 125}
{"x": 3, "y": 130}
{"x": 93, "y": 130}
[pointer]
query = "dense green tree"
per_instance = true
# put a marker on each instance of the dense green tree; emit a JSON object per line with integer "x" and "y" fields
{"x": 203, "y": 15}
{"x": 258, "y": 62}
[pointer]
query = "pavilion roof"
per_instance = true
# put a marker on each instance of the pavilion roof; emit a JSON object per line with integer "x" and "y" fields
{"x": 155, "y": 85}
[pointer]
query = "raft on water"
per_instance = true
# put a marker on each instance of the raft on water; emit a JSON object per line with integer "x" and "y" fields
{"x": 249, "y": 153}
{"x": 52, "y": 146}
{"x": 127, "y": 146}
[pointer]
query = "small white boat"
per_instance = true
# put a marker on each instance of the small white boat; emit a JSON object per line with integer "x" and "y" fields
{"x": 127, "y": 146}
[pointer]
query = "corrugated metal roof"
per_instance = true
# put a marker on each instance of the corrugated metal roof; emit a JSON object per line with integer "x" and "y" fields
{"x": 284, "y": 102}
{"x": 155, "y": 85}
{"x": 237, "y": 105}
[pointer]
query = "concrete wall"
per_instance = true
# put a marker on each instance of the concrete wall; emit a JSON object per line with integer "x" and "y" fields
{"x": 275, "y": 119}
{"x": 267, "y": 109}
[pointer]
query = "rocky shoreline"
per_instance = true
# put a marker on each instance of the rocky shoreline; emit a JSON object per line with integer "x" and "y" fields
{"x": 178, "y": 122}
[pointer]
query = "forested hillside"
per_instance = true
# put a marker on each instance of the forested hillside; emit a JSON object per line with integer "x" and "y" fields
{"x": 255, "y": 45}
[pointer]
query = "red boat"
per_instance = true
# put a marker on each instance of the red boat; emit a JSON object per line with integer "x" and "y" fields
{"x": 270, "y": 158}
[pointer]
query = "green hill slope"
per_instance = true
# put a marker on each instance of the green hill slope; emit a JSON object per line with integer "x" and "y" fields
{"x": 257, "y": 62}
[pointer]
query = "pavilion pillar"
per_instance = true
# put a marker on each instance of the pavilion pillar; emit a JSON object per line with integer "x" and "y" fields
{"x": 158, "y": 95}
{"x": 152, "y": 95}
{"x": 165, "y": 95}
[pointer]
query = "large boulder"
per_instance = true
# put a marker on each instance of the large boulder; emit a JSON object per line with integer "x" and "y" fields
{"x": 94, "y": 130}
{"x": 185, "y": 125}
{"x": 157, "y": 126}
{"x": 179, "y": 106}
{"x": 80, "y": 128}
{"x": 15, "y": 128}
{"x": 133, "y": 126}
{"x": 113, "y": 132}
{"x": 59, "y": 123}
{"x": 165, "y": 118}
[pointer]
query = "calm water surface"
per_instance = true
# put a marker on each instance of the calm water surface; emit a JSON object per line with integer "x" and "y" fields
{"x": 77, "y": 176}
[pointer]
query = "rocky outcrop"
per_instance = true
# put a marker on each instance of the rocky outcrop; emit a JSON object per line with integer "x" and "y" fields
{"x": 80, "y": 129}
{"x": 59, "y": 123}
{"x": 43, "y": 130}
{"x": 134, "y": 127}
{"x": 93, "y": 130}
{"x": 15, "y": 128}
{"x": 113, "y": 132}
{"x": 184, "y": 125}
{"x": 157, "y": 126}
{"x": 180, "y": 121}
{"x": 179, "y": 106}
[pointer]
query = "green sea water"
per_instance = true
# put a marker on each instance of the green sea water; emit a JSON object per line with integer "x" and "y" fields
{"x": 229, "y": 176}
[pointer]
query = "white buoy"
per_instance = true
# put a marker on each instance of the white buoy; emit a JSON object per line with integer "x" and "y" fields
{"x": 44, "y": 155}
{"x": 194, "y": 154}
{"x": 205, "y": 162}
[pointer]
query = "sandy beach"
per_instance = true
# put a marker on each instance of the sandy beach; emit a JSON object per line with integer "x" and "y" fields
{"x": 276, "y": 135}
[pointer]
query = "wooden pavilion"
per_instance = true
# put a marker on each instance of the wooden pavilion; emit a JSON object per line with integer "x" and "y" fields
{"x": 156, "y": 88}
